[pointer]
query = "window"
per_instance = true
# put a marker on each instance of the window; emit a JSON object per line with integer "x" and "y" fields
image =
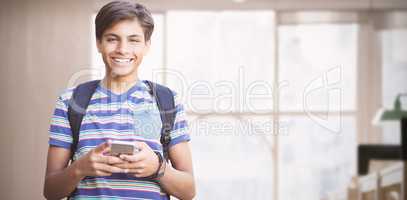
{"x": 318, "y": 54}
{"x": 223, "y": 65}
{"x": 220, "y": 56}
{"x": 394, "y": 68}
{"x": 318, "y": 107}
{"x": 226, "y": 52}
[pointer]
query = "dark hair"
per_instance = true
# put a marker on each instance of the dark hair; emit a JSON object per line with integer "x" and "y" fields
{"x": 116, "y": 11}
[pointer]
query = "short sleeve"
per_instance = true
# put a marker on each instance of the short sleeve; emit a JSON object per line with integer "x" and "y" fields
{"x": 60, "y": 133}
{"x": 179, "y": 132}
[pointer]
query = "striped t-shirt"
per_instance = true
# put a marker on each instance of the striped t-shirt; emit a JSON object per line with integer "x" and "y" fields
{"x": 131, "y": 116}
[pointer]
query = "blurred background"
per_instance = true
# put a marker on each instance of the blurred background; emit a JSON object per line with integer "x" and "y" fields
{"x": 279, "y": 94}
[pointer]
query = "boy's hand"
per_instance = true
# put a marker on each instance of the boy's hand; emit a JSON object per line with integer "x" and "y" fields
{"x": 97, "y": 163}
{"x": 141, "y": 164}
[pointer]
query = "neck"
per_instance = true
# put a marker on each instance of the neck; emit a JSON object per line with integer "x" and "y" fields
{"x": 119, "y": 84}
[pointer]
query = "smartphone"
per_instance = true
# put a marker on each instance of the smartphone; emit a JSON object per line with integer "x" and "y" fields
{"x": 122, "y": 147}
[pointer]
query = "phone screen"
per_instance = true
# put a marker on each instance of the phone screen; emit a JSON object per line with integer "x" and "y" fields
{"x": 118, "y": 149}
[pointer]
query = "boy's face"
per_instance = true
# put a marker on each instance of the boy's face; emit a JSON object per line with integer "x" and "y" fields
{"x": 122, "y": 47}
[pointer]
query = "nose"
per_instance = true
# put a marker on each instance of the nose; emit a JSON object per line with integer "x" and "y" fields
{"x": 122, "y": 48}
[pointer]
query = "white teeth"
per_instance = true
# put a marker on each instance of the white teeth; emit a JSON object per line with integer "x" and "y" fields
{"x": 122, "y": 60}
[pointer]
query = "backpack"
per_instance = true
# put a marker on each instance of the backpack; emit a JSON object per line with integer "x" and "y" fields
{"x": 83, "y": 93}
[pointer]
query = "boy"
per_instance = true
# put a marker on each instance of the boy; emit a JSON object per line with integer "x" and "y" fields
{"x": 120, "y": 100}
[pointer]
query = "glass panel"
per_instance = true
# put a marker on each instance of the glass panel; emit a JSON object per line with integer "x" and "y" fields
{"x": 394, "y": 67}
{"x": 319, "y": 160}
{"x": 152, "y": 61}
{"x": 318, "y": 67}
{"x": 217, "y": 58}
{"x": 232, "y": 157}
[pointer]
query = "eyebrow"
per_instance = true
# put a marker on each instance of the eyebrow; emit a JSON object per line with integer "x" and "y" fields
{"x": 135, "y": 35}
{"x": 114, "y": 35}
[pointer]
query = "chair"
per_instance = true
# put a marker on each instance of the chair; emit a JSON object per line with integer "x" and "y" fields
{"x": 369, "y": 187}
{"x": 391, "y": 182}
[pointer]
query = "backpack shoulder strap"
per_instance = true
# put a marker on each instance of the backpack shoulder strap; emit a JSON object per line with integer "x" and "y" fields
{"x": 77, "y": 109}
{"x": 166, "y": 105}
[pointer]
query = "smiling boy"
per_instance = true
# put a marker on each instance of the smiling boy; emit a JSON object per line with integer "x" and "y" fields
{"x": 123, "y": 32}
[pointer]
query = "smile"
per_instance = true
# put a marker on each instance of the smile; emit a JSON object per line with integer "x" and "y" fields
{"x": 123, "y": 60}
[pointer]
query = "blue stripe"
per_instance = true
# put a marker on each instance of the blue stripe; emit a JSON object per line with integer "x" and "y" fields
{"x": 180, "y": 124}
{"x": 60, "y": 129}
{"x": 121, "y": 193}
{"x": 59, "y": 143}
{"x": 107, "y": 113}
{"x": 179, "y": 139}
{"x": 112, "y": 125}
{"x": 120, "y": 177}
{"x": 109, "y": 100}
{"x": 60, "y": 112}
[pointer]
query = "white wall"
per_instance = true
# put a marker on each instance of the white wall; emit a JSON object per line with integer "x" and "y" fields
{"x": 42, "y": 44}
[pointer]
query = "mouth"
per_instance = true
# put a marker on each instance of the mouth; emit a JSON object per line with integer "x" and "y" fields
{"x": 123, "y": 60}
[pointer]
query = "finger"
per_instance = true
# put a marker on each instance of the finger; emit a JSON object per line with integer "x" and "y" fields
{"x": 132, "y": 158}
{"x": 129, "y": 165}
{"x": 140, "y": 174}
{"x": 108, "y": 168}
{"x": 102, "y": 173}
{"x": 111, "y": 160}
{"x": 135, "y": 171}
{"x": 140, "y": 145}
{"x": 102, "y": 147}
{"x": 125, "y": 165}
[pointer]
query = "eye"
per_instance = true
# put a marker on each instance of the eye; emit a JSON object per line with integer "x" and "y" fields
{"x": 135, "y": 41}
{"x": 111, "y": 39}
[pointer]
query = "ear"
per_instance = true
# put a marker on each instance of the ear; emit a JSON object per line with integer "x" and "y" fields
{"x": 99, "y": 45}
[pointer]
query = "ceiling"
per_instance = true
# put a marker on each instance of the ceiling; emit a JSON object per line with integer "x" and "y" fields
{"x": 162, "y": 5}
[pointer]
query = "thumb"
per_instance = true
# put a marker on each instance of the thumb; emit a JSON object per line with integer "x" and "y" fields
{"x": 102, "y": 147}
